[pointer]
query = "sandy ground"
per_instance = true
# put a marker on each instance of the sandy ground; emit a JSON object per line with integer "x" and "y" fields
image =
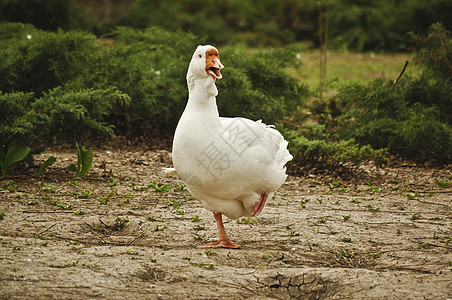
{"x": 113, "y": 234}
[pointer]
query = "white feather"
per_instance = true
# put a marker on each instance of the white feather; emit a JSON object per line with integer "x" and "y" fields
{"x": 227, "y": 163}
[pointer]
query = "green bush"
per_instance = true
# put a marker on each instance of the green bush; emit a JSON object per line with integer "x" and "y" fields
{"x": 382, "y": 116}
{"x": 383, "y": 24}
{"x": 150, "y": 65}
{"x": 256, "y": 23}
{"x": 310, "y": 144}
{"x": 37, "y": 61}
{"x": 59, "y": 115}
{"x": 256, "y": 86}
{"x": 411, "y": 118}
{"x": 15, "y": 126}
{"x": 72, "y": 87}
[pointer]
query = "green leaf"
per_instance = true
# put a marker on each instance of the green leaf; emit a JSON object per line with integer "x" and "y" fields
{"x": 87, "y": 160}
{"x": 79, "y": 160}
{"x": 51, "y": 160}
{"x": 15, "y": 153}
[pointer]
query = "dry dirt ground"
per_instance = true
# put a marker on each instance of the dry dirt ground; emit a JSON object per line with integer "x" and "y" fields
{"x": 384, "y": 234}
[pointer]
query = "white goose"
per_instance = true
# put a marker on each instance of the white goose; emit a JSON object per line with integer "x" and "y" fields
{"x": 231, "y": 165}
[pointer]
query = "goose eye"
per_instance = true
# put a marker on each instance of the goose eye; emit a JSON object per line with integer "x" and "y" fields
{"x": 200, "y": 56}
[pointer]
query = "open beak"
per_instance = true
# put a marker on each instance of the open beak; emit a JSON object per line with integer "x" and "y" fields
{"x": 213, "y": 64}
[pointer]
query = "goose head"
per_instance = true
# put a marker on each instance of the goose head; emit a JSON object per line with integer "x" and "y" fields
{"x": 205, "y": 62}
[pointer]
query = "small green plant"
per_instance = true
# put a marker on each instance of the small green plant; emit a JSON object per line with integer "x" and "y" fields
{"x": 416, "y": 216}
{"x": 74, "y": 183}
{"x": 130, "y": 252}
{"x": 371, "y": 189}
{"x": 200, "y": 237}
{"x": 105, "y": 200}
{"x": 179, "y": 187}
{"x": 303, "y": 204}
{"x": 247, "y": 221}
{"x": 412, "y": 196}
{"x": 377, "y": 254}
{"x": 371, "y": 208}
{"x": 2, "y": 215}
{"x": 176, "y": 207}
{"x": 210, "y": 252}
{"x": 52, "y": 189}
{"x": 44, "y": 236}
{"x": 120, "y": 223}
{"x": 61, "y": 205}
{"x": 161, "y": 188}
{"x": 139, "y": 207}
{"x": 84, "y": 161}
{"x": 448, "y": 239}
{"x": 161, "y": 228}
{"x": 195, "y": 219}
{"x": 15, "y": 153}
{"x": 347, "y": 254}
{"x": 424, "y": 245}
{"x": 346, "y": 217}
{"x": 443, "y": 183}
{"x": 79, "y": 212}
{"x": 139, "y": 188}
{"x": 395, "y": 179}
{"x": 343, "y": 190}
{"x": 84, "y": 194}
{"x": 50, "y": 161}
{"x": 73, "y": 262}
{"x": 199, "y": 227}
{"x": 9, "y": 186}
{"x": 112, "y": 182}
{"x": 321, "y": 220}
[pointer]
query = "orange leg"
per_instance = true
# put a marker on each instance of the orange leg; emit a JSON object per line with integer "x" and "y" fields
{"x": 259, "y": 206}
{"x": 224, "y": 241}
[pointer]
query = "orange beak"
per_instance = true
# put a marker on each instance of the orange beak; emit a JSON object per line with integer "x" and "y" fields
{"x": 213, "y": 63}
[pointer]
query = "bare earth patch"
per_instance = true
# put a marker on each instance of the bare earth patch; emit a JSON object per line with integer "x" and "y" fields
{"x": 116, "y": 235}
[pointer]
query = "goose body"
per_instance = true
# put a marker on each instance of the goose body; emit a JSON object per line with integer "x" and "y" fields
{"x": 231, "y": 165}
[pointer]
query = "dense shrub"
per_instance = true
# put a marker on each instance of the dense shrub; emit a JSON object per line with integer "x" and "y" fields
{"x": 310, "y": 144}
{"x": 382, "y": 116}
{"x": 150, "y": 65}
{"x": 411, "y": 118}
{"x": 256, "y": 85}
{"x": 66, "y": 76}
{"x": 383, "y": 24}
{"x": 267, "y": 22}
{"x": 353, "y": 24}
{"x": 36, "y": 61}
{"x": 59, "y": 115}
